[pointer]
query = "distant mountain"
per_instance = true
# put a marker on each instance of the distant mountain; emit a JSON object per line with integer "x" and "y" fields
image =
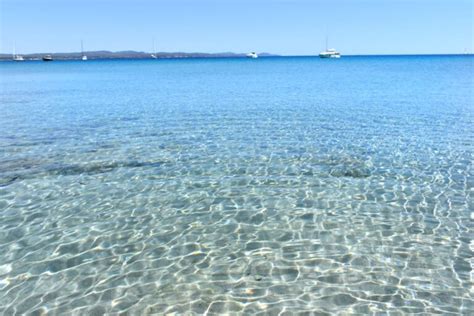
{"x": 130, "y": 54}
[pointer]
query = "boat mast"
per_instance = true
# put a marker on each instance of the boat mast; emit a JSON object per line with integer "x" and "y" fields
{"x": 82, "y": 49}
{"x": 327, "y": 38}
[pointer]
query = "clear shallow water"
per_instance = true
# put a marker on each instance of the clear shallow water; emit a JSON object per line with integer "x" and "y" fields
{"x": 233, "y": 185}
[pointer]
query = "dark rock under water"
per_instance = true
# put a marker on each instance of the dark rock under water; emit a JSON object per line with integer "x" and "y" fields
{"x": 96, "y": 168}
{"x": 11, "y": 172}
{"x": 350, "y": 171}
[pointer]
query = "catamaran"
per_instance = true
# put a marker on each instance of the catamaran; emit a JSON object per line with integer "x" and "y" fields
{"x": 329, "y": 52}
{"x": 83, "y": 56}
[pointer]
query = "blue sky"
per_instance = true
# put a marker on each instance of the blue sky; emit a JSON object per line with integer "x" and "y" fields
{"x": 290, "y": 27}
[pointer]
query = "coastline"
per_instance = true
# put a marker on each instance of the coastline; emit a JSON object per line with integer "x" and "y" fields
{"x": 131, "y": 55}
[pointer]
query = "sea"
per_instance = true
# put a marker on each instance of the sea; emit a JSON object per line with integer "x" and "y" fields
{"x": 270, "y": 186}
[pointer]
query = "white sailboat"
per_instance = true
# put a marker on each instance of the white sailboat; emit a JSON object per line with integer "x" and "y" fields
{"x": 83, "y": 56}
{"x": 154, "y": 51}
{"x": 15, "y": 56}
{"x": 329, "y": 52}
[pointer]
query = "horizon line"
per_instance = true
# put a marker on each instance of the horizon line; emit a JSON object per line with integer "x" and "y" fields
{"x": 268, "y": 54}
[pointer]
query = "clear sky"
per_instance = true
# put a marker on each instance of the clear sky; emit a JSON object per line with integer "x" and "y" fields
{"x": 289, "y": 27}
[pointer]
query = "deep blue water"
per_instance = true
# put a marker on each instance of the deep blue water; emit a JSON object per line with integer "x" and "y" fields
{"x": 237, "y": 185}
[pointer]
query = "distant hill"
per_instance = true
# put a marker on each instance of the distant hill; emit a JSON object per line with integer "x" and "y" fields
{"x": 103, "y": 54}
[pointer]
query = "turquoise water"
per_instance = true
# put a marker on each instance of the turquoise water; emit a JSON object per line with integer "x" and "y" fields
{"x": 231, "y": 185}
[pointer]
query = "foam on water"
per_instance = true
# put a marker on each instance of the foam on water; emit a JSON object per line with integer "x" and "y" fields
{"x": 251, "y": 186}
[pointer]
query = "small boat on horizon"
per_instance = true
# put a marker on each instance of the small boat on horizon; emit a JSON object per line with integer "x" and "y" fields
{"x": 83, "y": 56}
{"x": 329, "y": 52}
{"x": 154, "y": 51}
{"x": 17, "y": 57}
{"x": 47, "y": 58}
{"x": 252, "y": 55}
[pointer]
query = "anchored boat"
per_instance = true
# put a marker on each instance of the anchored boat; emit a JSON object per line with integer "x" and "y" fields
{"x": 154, "y": 51}
{"x": 17, "y": 57}
{"x": 329, "y": 52}
{"x": 252, "y": 55}
{"x": 84, "y": 57}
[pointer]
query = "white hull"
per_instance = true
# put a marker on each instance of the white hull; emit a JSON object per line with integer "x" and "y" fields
{"x": 252, "y": 55}
{"x": 84, "y": 57}
{"x": 330, "y": 54}
{"x": 15, "y": 56}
